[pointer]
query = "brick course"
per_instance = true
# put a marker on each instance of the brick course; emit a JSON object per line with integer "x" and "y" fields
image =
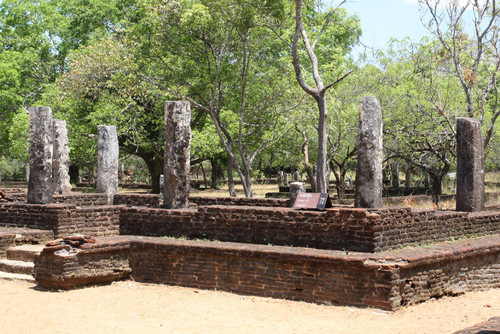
{"x": 385, "y": 280}
{"x": 338, "y": 228}
{"x": 62, "y": 219}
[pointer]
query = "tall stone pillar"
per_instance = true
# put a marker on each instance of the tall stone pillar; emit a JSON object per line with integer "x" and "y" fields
{"x": 470, "y": 165}
{"x": 107, "y": 161}
{"x": 177, "y": 154}
{"x": 369, "y": 168}
{"x": 40, "y": 186}
{"x": 60, "y": 158}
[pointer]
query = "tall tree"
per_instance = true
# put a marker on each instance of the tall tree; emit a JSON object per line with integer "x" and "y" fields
{"x": 475, "y": 57}
{"x": 320, "y": 90}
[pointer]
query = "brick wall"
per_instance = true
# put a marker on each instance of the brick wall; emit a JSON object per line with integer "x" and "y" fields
{"x": 239, "y": 201}
{"x": 89, "y": 264}
{"x": 338, "y": 228}
{"x": 152, "y": 200}
{"x": 383, "y": 280}
{"x": 62, "y": 219}
{"x": 148, "y": 200}
{"x": 82, "y": 199}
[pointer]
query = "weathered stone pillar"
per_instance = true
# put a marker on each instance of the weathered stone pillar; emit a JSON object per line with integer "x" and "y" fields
{"x": 60, "y": 159}
{"x": 369, "y": 168}
{"x": 296, "y": 177}
{"x": 295, "y": 189}
{"x": 280, "y": 178}
{"x": 40, "y": 186}
{"x": 162, "y": 189}
{"x": 470, "y": 165}
{"x": 107, "y": 161}
{"x": 285, "y": 180}
{"x": 177, "y": 154}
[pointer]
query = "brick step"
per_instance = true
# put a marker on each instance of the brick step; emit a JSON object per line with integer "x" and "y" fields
{"x": 24, "y": 252}
{"x": 16, "y": 277}
{"x": 16, "y": 267}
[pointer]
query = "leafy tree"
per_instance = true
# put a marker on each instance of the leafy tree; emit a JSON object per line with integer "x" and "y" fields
{"x": 421, "y": 100}
{"x": 474, "y": 58}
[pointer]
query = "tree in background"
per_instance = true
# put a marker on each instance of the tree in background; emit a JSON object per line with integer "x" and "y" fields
{"x": 474, "y": 58}
{"x": 343, "y": 38}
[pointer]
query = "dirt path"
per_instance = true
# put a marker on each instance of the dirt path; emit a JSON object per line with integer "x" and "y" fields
{"x": 129, "y": 307}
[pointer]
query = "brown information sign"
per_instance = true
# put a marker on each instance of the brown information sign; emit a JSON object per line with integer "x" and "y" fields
{"x": 318, "y": 201}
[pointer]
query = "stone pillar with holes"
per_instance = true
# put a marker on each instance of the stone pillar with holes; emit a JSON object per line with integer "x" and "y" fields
{"x": 369, "y": 184}
{"x": 470, "y": 165}
{"x": 177, "y": 154}
{"x": 107, "y": 161}
{"x": 40, "y": 184}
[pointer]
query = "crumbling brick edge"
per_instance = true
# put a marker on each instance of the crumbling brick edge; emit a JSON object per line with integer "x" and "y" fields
{"x": 383, "y": 280}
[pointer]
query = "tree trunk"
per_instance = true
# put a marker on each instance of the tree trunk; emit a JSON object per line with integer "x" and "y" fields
{"x": 213, "y": 174}
{"x": 437, "y": 189}
{"x": 339, "y": 180}
{"x": 155, "y": 168}
{"x": 230, "y": 180}
{"x": 321, "y": 177}
{"x": 408, "y": 176}
{"x": 74, "y": 174}
{"x": 394, "y": 174}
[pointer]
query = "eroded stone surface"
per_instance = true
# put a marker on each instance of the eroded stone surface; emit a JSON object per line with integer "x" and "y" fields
{"x": 369, "y": 168}
{"x": 40, "y": 186}
{"x": 107, "y": 161}
{"x": 177, "y": 154}
{"x": 60, "y": 159}
{"x": 470, "y": 165}
{"x": 295, "y": 189}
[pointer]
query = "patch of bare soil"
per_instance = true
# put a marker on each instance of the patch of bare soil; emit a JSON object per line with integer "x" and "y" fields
{"x": 130, "y": 307}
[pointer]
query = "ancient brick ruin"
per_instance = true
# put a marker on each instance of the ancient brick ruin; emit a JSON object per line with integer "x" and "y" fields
{"x": 367, "y": 255}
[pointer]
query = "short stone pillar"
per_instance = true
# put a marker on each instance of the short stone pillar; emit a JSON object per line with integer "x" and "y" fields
{"x": 285, "y": 180}
{"x": 296, "y": 177}
{"x": 162, "y": 189}
{"x": 177, "y": 154}
{"x": 470, "y": 165}
{"x": 107, "y": 161}
{"x": 295, "y": 189}
{"x": 280, "y": 178}
{"x": 40, "y": 186}
{"x": 369, "y": 168}
{"x": 60, "y": 159}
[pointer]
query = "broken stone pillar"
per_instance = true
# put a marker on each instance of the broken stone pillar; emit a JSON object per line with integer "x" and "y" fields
{"x": 280, "y": 178}
{"x": 177, "y": 154}
{"x": 470, "y": 165}
{"x": 60, "y": 159}
{"x": 107, "y": 161}
{"x": 295, "y": 189}
{"x": 369, "y": 168}
{"x": 162, "y": 189}
{"x": 40, "y": 186}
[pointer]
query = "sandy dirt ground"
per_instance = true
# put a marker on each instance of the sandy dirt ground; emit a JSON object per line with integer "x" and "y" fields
{"x": 130, "y": 307}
